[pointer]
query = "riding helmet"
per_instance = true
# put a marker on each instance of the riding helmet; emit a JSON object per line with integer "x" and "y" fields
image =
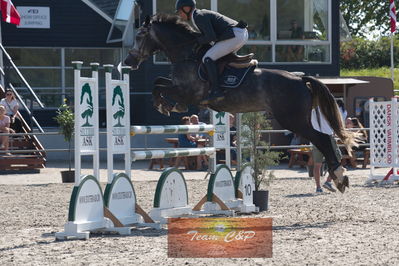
{"x": 181, "y": 3}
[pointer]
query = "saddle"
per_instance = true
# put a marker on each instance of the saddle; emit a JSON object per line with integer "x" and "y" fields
{"x": 232, "y": 68}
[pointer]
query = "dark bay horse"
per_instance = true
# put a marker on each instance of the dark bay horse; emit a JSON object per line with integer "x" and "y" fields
{"x": 288, "y": 97}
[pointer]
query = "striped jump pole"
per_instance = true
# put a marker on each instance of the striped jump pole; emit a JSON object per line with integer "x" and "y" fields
{"x": 158, "y": 154}
{"x": 181, "y": 129}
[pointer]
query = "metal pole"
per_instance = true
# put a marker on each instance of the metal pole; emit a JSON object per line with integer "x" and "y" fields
{"x": 238, "y": 133}
{"x": 2, "y": 83}
{"x": 392, "y": 63}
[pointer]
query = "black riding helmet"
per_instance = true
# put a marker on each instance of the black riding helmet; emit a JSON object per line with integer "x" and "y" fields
{"x": 181, "y": 3}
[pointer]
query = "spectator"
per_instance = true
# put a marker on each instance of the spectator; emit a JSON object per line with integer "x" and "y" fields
{"x": 189, "y": 141}
{"x": 4, "y": 128}
{"x": 295, "y": 52}
{"x": 341, "y": 107}
{"x": 11, "y": 105}
{"x": 320, "y": 124}
{"x": 194, "y": 120}
{"x": 186, "y": 140}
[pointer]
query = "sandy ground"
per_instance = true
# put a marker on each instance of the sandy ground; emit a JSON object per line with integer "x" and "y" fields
{"x": 360, "y": 227}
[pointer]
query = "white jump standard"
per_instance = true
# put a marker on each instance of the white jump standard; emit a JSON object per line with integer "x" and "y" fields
{"x": 86, "y": 207}
{"x": 171, "y": 196}
{"x": 221, "y": 196}
{"x": 384, "y": 140}
{"x": 119, "y": 195}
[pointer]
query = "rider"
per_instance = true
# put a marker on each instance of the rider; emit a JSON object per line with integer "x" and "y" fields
{"x": 227, "y": 35}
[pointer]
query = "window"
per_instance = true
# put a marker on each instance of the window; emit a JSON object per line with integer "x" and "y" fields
{"x": 263, "y": 53}
{"x": 255, "y": 12}
{"x": 280, "y": 31}
{"x": 102, "y": 56}
{"x": 50, "y": 77}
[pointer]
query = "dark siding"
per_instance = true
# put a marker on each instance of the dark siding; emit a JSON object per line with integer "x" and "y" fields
{"x": 72, "y": 22}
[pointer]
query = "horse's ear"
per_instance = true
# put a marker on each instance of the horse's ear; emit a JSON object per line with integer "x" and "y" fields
{"x": 147, "y": 20}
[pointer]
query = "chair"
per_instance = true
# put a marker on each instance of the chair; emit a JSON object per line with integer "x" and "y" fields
{"x": 296, "y": 157}
{"x": 156, "y": 161}
{"x": 349, "y": 160}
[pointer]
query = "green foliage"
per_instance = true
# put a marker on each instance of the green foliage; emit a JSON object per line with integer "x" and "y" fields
{"x": 360, "y": 53}
{"x": 384, "y": 72}
{"x": 260, "y": 159}
{"x": 65, "y": 118}
{"x": 363, "y": 17}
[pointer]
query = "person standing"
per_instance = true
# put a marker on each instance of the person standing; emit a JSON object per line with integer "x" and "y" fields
{"x": 4, "y": 128}
{"x": 320, "y": 124}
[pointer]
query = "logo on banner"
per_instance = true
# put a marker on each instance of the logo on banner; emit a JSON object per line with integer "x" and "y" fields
{"x": 88, "y": 110}
{"x": 220, "y": 238}
{"x": 120, "y": 113}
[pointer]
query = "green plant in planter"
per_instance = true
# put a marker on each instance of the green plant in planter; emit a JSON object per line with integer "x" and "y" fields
{"x": 66, "y": 119}
{"x": 259, "y": 159}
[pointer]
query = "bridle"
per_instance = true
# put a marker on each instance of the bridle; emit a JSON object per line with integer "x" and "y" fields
{"x": 138, "y": 53}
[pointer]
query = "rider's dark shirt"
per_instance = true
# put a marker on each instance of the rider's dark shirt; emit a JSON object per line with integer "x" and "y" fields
{"x": 213, "y": 26}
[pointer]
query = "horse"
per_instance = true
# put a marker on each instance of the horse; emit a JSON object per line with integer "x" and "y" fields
{"x": 288, "y": 97}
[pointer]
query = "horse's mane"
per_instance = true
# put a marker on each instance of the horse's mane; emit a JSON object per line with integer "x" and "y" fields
{"x": 174, "y": 20}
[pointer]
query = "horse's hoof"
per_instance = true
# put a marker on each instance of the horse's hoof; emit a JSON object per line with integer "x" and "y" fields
{"x": 345, "y": 181}
{"x": 341, "y": 188}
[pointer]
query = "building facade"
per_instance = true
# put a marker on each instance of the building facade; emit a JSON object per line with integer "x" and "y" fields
{"x": 295, "y": 35}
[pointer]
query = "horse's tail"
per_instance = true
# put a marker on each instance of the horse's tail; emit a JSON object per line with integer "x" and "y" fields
{"x": 322, "y": 97}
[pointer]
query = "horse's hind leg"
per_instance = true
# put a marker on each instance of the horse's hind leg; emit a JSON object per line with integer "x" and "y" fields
{"x": 323, "y": 143}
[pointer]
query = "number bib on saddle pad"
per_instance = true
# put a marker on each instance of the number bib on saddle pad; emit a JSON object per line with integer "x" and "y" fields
{"x": 230, "y": 78}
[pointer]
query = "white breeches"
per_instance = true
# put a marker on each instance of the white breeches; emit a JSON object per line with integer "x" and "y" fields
{"x": 225, "y": 47}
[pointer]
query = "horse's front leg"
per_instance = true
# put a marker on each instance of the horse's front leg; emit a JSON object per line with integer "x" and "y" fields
{"x": 163, "y": 105}
{"x": 159, "y": 102}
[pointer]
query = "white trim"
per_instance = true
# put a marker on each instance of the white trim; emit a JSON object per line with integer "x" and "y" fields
{"x": 128, "y": 25}
{"x": 99, "y": 11}
{"x": 273, "y": 28}
{"x": 154, "y": 7}
{"x": 214, "y": 5}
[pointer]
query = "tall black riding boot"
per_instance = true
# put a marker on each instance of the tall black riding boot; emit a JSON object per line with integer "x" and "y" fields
{"x": 216, "y": 94}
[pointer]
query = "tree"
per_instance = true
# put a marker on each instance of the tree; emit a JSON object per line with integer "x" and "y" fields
{"x": 363, "y": 17}
{"x": 259, "y": 159}
{"x": 66, "y": 120}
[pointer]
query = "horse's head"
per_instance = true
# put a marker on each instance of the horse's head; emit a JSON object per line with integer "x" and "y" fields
{"x": 162, "y": 32}
{"x": 144, "y": 46}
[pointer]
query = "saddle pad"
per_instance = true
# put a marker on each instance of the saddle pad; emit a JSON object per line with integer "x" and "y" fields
{"x": 230, "y": 78}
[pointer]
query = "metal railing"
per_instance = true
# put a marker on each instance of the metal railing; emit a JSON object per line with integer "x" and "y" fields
{"x": 32, "y": 95}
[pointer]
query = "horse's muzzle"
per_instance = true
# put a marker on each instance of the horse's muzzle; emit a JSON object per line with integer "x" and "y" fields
{"x": 133, "y": 59}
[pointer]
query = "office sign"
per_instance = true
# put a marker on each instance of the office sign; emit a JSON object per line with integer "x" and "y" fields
{"x": 34, "y": 17}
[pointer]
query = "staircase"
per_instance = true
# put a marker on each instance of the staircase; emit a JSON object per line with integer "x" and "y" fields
{"x": 26, "y": 150}
{"x": 33, "y": 158}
